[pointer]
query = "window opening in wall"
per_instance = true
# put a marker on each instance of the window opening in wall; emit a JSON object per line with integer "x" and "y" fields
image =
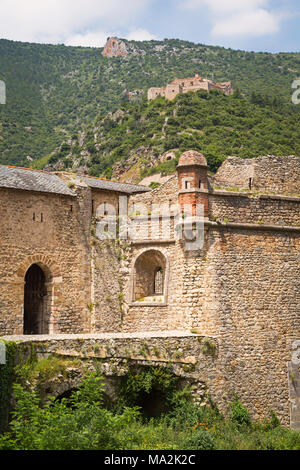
{"x": 187, "y": 184}
{"x": 250, "y": 183}
{"x": 42, "y": 218}
{"x": 159, "y": 282}
{"x": 33, "y": 217}
{"x": 105, "y": 208}
{"x": 149, "y": 278}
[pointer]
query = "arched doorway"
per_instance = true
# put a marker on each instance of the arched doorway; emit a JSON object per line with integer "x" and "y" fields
{"x": 35, "y": 304}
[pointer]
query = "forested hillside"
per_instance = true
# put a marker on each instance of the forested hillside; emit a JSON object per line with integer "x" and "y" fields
{"x": 54, "y": 91}
{"x": 134, "y": 140}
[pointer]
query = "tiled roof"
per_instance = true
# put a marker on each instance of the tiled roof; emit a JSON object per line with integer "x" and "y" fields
{"x": 32, "y": 180}
{"x": 99, "y": 183}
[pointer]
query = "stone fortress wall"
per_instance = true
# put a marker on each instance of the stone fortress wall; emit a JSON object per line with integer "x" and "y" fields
{"x": 184, "y": 85}
{"x": 48, "y": 230}
{"x": 240, "y": 288}
{"x": 267, "y": 175}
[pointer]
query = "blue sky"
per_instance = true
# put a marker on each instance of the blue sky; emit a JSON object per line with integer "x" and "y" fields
{"x": 259, "y": 25}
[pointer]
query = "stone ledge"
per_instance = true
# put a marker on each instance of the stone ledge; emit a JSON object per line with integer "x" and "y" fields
{"x": 252, "y": 195}
{"x": 151, "y": 241}
{"x": 229, "y": 193}
{"x": 105, "y": 336}
{"x": 193, "y": 190}
{"x": 244, "y": 226}
{"x": 280, "y": 198}
{"x": 148, "y": 304}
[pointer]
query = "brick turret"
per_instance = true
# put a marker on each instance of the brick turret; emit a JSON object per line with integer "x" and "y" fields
{"x": 192, "y": 179}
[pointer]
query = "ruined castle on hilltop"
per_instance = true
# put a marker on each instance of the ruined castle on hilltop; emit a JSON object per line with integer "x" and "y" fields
{"x": 184, "y": 85}
{"x": 222, "y": 313}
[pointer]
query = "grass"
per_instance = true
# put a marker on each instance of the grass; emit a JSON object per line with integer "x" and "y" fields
{"x": 225, "y": 435}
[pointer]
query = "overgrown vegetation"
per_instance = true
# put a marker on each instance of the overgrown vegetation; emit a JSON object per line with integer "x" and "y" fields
{"x": 54, "y": 90}
{"x": 44, "y": 369}
{"x": 7, "y": 376}
{"x": 215, "y": 124}
{"x": 82, "y": 421}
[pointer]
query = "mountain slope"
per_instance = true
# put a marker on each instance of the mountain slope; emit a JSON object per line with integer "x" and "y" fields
{"x": 54, "y": 91}
{"x": 141, "y": 139}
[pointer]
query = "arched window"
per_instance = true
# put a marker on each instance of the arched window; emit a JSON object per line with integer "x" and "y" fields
{"x": 149, "y": 277}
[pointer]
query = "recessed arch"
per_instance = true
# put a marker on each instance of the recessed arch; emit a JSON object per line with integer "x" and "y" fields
{"x": 149, "y": 280}
{"x": 51, "y": 269}
{"x": 35, "y": 304}
{"x": 44, "y": 280}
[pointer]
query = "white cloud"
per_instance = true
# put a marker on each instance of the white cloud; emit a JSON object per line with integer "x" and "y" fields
{"x": 140, "y": 35}
{"x": 251, "y": 23}
{"x": 57, "y": 21}
{"x": 98, "y": 38}
{"x": 221, "y": 6}
{"x": 89, "y": 39}
{"x": 238, "y": 17}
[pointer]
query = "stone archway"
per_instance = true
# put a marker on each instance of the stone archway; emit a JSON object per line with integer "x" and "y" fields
{"x": 43, "y": 278}
{"x": 36, "y": 314}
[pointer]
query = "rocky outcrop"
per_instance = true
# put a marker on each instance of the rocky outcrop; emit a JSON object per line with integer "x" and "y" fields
{"x": 114, "y": 47}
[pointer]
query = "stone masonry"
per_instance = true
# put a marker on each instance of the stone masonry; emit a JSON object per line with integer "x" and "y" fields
{"x": 184, "y": 85}
{"x": 240, "y": 288}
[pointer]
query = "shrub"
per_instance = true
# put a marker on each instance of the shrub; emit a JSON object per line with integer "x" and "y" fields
{"x": 199, "y": 440}
{"x": 154, "y": 185}
{"x": 240, "y": 414}
{"x": 78, "y": 423}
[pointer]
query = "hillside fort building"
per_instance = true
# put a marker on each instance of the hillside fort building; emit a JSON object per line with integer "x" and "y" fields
{"x": 222, "y": 310}
{"x": 184, "y": 85}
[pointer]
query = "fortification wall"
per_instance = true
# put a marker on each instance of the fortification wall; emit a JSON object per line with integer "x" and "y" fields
{"x": 51, "y": 231}
{"x": 154, "y": 92}
{"x": 167, "y": 193}
{"x": 100, "y": 197}
{"x": 250, "y": 299}
{"x": 243, "y": 289}
{"x": 168, "y": 314}
{"x": 108, "y": 261}
{"x": 245, "y": 208}
{"x": 279, "y": 175}
{"x": 269, "y": 174}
